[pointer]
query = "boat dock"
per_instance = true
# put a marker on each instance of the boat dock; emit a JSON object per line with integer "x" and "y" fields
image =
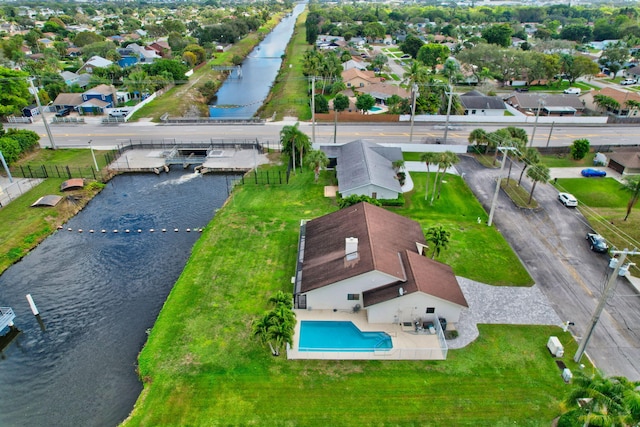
{"x": 6, "y": 317}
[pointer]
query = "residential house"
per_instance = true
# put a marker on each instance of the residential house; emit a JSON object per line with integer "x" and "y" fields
{"x": 161, "y": 47}
{"x": 134, "y": 54}
{"x": 94, "y": 62}
{"x": 381, "y": 92}
{"x": 70, "y": 78}
{"x": 74, "y": 52}
{"x": 355, "y": 62}
{"x": 633, "y": 72}
{"x": 365, "y": 168}
{"x": 622, "y": 97}
{"x": 106, "y": 94}
{"x": 625, "y": 162}
{"x": 476, "y": 103}
{"x": 546, "y": 104}
{"x": 365, "y": 257}
{"x": 329, "y": 42}
{"x": 355, "y": 78}
{"x": 30, "y": 111}
{"x": 67, "y": 100}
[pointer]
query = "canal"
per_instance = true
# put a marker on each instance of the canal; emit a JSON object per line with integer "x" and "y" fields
{"x": 98, "y": 294}
{"x": 241, "y": 97}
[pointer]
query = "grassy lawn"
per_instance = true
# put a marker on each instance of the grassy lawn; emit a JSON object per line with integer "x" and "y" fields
{"x": 288, "y": 96}
{"x": 201, "y": 366}
{"x": 566, "y": 161}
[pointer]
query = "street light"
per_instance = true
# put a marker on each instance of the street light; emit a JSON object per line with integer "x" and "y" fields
{"x": 93, "y": 155}
{"x": 414, "y": 92}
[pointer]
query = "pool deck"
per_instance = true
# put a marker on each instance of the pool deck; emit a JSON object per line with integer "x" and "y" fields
{"x": 407, "y": 344}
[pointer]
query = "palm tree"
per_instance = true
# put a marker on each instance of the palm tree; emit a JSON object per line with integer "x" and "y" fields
{"x": 606, "y": 102}
{"x": 632, "y": 184}
{"x": 291, "y": 138}
{"x": 316, "y": 160}
{"x": 261, "y": 330}
{"x": 529, "y": 156}
{"x": 478, "y": 136}
{"x": 281, "y": 298}
{"x": 439, "y": 237}
{"x": 539, "y": 173}
{"x": 613, "y": 401}
{"x": 447, "y": 160}
{"x": 428, "y": 158}
{"x": 340, "y": 103}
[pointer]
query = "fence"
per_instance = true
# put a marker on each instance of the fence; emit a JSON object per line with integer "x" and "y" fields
{"x": 265, "y": 177}
{"x": 219, "y": 144}
{"x": 56, "y": 171}
{"x": 16, "y": 189}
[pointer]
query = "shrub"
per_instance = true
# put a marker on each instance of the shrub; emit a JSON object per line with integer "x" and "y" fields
{"x": 579, "y": 149}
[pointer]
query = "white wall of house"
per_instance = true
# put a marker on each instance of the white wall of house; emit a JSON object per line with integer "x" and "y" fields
{"x": 485, "y": 112}
{"x": 410, "y": 307}
{"x": 369, "y": 190}
{"x": 336, "y": 295}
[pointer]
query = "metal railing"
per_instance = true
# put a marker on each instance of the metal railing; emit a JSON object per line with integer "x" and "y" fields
{"x": 12, "y": 191}
{"x": 6, "y": 317}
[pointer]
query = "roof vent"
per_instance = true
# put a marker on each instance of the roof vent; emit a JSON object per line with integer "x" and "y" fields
{"x": 401, "y": 291}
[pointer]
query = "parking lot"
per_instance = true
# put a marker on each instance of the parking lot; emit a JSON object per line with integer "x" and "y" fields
{"x": 550, "y": 242}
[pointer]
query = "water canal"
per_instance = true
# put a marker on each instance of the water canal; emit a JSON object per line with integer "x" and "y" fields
{"x": 241, "y": 97}
{"x": 98, "y": 294}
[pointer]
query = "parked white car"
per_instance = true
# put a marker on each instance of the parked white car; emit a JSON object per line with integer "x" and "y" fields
{"x": 573, "y": 91}
{"x": 568, "y": 200}
{"x": 628, "y": 82}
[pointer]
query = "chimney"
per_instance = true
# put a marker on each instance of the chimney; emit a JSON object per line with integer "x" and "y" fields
{"x": 351, "y": 248}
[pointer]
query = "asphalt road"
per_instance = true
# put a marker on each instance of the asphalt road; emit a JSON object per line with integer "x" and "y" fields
{"x": 551, "y": 244}
{"x": 78, "y": 135}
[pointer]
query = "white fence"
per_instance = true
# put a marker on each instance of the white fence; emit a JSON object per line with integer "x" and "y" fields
{"x": 507, "y": 120}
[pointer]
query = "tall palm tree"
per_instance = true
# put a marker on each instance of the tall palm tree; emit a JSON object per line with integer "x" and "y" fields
{"x": 529, "y": 156}
{"x": 439, "y": 238}
{"x": 261, "y": 330}
{"x": 539, "y": 173}
{"x": 632, "y": 184}
{"x": 292, "y": 138}
{"x": 447, "y": 160}
{"x": 478, "y": 136}
{"x": 316, "y": 160}
{"x": 428, "y": 158}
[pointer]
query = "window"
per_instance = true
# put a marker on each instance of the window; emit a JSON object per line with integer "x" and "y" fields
{"x": 353, "y": 297}
{"x": 431, "y": 310}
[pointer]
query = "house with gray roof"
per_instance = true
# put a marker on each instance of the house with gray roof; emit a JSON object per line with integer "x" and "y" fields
{"x": 365, "y": 168}
{"x": 94, "y": 62}
{"x": 365, "y": 257}
{"x": 548, "y": 104}
{"x": 476, "y": 103}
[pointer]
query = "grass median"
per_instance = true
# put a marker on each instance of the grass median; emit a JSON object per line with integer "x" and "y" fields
{"x": 201, "y": 365}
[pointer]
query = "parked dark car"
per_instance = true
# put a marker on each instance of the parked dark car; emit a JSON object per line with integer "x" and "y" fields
{"x": 597, "y": 243}
{"x": 589, "y": 172}
{"x": 63, "y": 112}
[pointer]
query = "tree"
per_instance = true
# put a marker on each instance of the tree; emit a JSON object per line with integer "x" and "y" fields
{"x": 478, "y": 136}
{"x": 439, "y": 238}
{"x": 428, "y": 158}
{"x": 600, "y": 401}
{"x": 292, "y": 139}
{"x": 321, "y": 104}
{"x": 14, "y": 92}
{"x": 354, "y": 199}
{"x": 579, "y": 149}
{"x": 539, "y": 173}
{"x": 364, "y": 102}
{"x": 340, "y": 103}
{"x": 577, "y": 33}
{"x": 411, "y": 45}
{"x": 432, "y": 54}
{"x": 446, "y": 160}
{"x": 632, "y": 184}
{"x": 614, "y": 57}
{"x": 499, "y": 34}
{"x": 316, "y": 160}
{"x": 529, "y": 157}
{"x": 606, "y": 102}
{"x": 276, "y": 327}
{"x": 581, "y": 66}
{"x": 173, "y": 67}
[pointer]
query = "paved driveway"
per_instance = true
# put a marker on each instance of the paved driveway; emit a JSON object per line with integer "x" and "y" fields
{"x": 550, "y": 242}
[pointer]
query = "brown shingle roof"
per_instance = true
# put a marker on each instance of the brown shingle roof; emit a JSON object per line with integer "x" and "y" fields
{"x": 629, "y": 160}
{"x": 353, "y": 73}
{"x": 618, "y": 95}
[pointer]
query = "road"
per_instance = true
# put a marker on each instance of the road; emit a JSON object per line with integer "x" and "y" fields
{"x": 78, "y": 135}
{"x": 551, "y": 244}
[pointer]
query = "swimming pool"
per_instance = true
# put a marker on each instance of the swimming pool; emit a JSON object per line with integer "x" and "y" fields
{"x": 375, "y": 109}
{"x": 316, "y": 335}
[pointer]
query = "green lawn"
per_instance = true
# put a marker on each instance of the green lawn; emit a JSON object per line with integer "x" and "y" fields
{"x": 201, "y": 366}
{"x": 596, "y": 192}
{"x": 566, "y": 161}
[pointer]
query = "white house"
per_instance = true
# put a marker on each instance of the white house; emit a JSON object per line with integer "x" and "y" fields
{"x": 365, "y": 257}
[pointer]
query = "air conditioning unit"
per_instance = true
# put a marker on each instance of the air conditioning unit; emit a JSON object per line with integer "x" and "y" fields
{"x": 567, "y": 375}
{"x": 555, "y": 347}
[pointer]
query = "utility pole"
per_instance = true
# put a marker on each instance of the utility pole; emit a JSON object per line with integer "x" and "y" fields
{"x": 94, "y": 156}
{"x": 446, "y": 126}
{"x": 504, "y": 150}
{"x": 414, "y": 93}
{"x": 44, "y": 119}
{"x": 606, "y": 294}
{"x": 550, "y": 131}
{"x": 535, "y": 125}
